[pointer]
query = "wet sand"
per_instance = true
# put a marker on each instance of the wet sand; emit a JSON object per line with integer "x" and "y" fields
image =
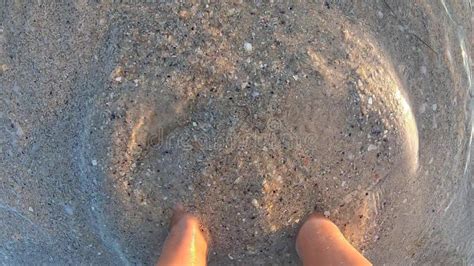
{"x": 251, "y": 115}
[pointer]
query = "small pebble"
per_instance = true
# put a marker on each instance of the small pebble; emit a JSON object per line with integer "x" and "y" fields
{"x": 19, "y": 130}
{"x": 195, "y": 124}
{"x": 255, "y": 203}
{"x": 255, "y": 94}
{"x": 248, "y": 47}
{"x": 423, "y": 108}
{"x": 370, "y": 100}
{"x": 371, "y": 147}
{"x": 231, "y": 12}
{"x": 237, "y": 180}
{"x": 118, "y": 79}
{"x": 3, "y": 68}
{"x": 94, "y": 162}
{"x": 30, "y": 209}
{"x": 68, "y": 209}
{"x": 434, "y": 107}
{"x": 279, "y": 179}
{"x": 327, "y": 213}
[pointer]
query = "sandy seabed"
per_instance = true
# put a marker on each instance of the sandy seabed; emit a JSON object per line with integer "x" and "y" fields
{"x": 250, "y": 114}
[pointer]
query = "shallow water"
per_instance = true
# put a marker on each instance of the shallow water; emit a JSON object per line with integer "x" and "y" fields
{"x": 112, "y": 113}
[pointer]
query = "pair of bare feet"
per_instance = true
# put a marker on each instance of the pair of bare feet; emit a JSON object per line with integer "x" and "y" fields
{"x": 319, "y": 242}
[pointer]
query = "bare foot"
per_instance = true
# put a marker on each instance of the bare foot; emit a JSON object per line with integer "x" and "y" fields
{"x": 320, "y": 242}
{"x": 186, "y": 243}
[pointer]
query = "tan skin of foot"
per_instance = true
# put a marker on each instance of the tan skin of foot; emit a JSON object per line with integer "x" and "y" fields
{"x": 186, "y": 243}
{"x": 319, "y": 242}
